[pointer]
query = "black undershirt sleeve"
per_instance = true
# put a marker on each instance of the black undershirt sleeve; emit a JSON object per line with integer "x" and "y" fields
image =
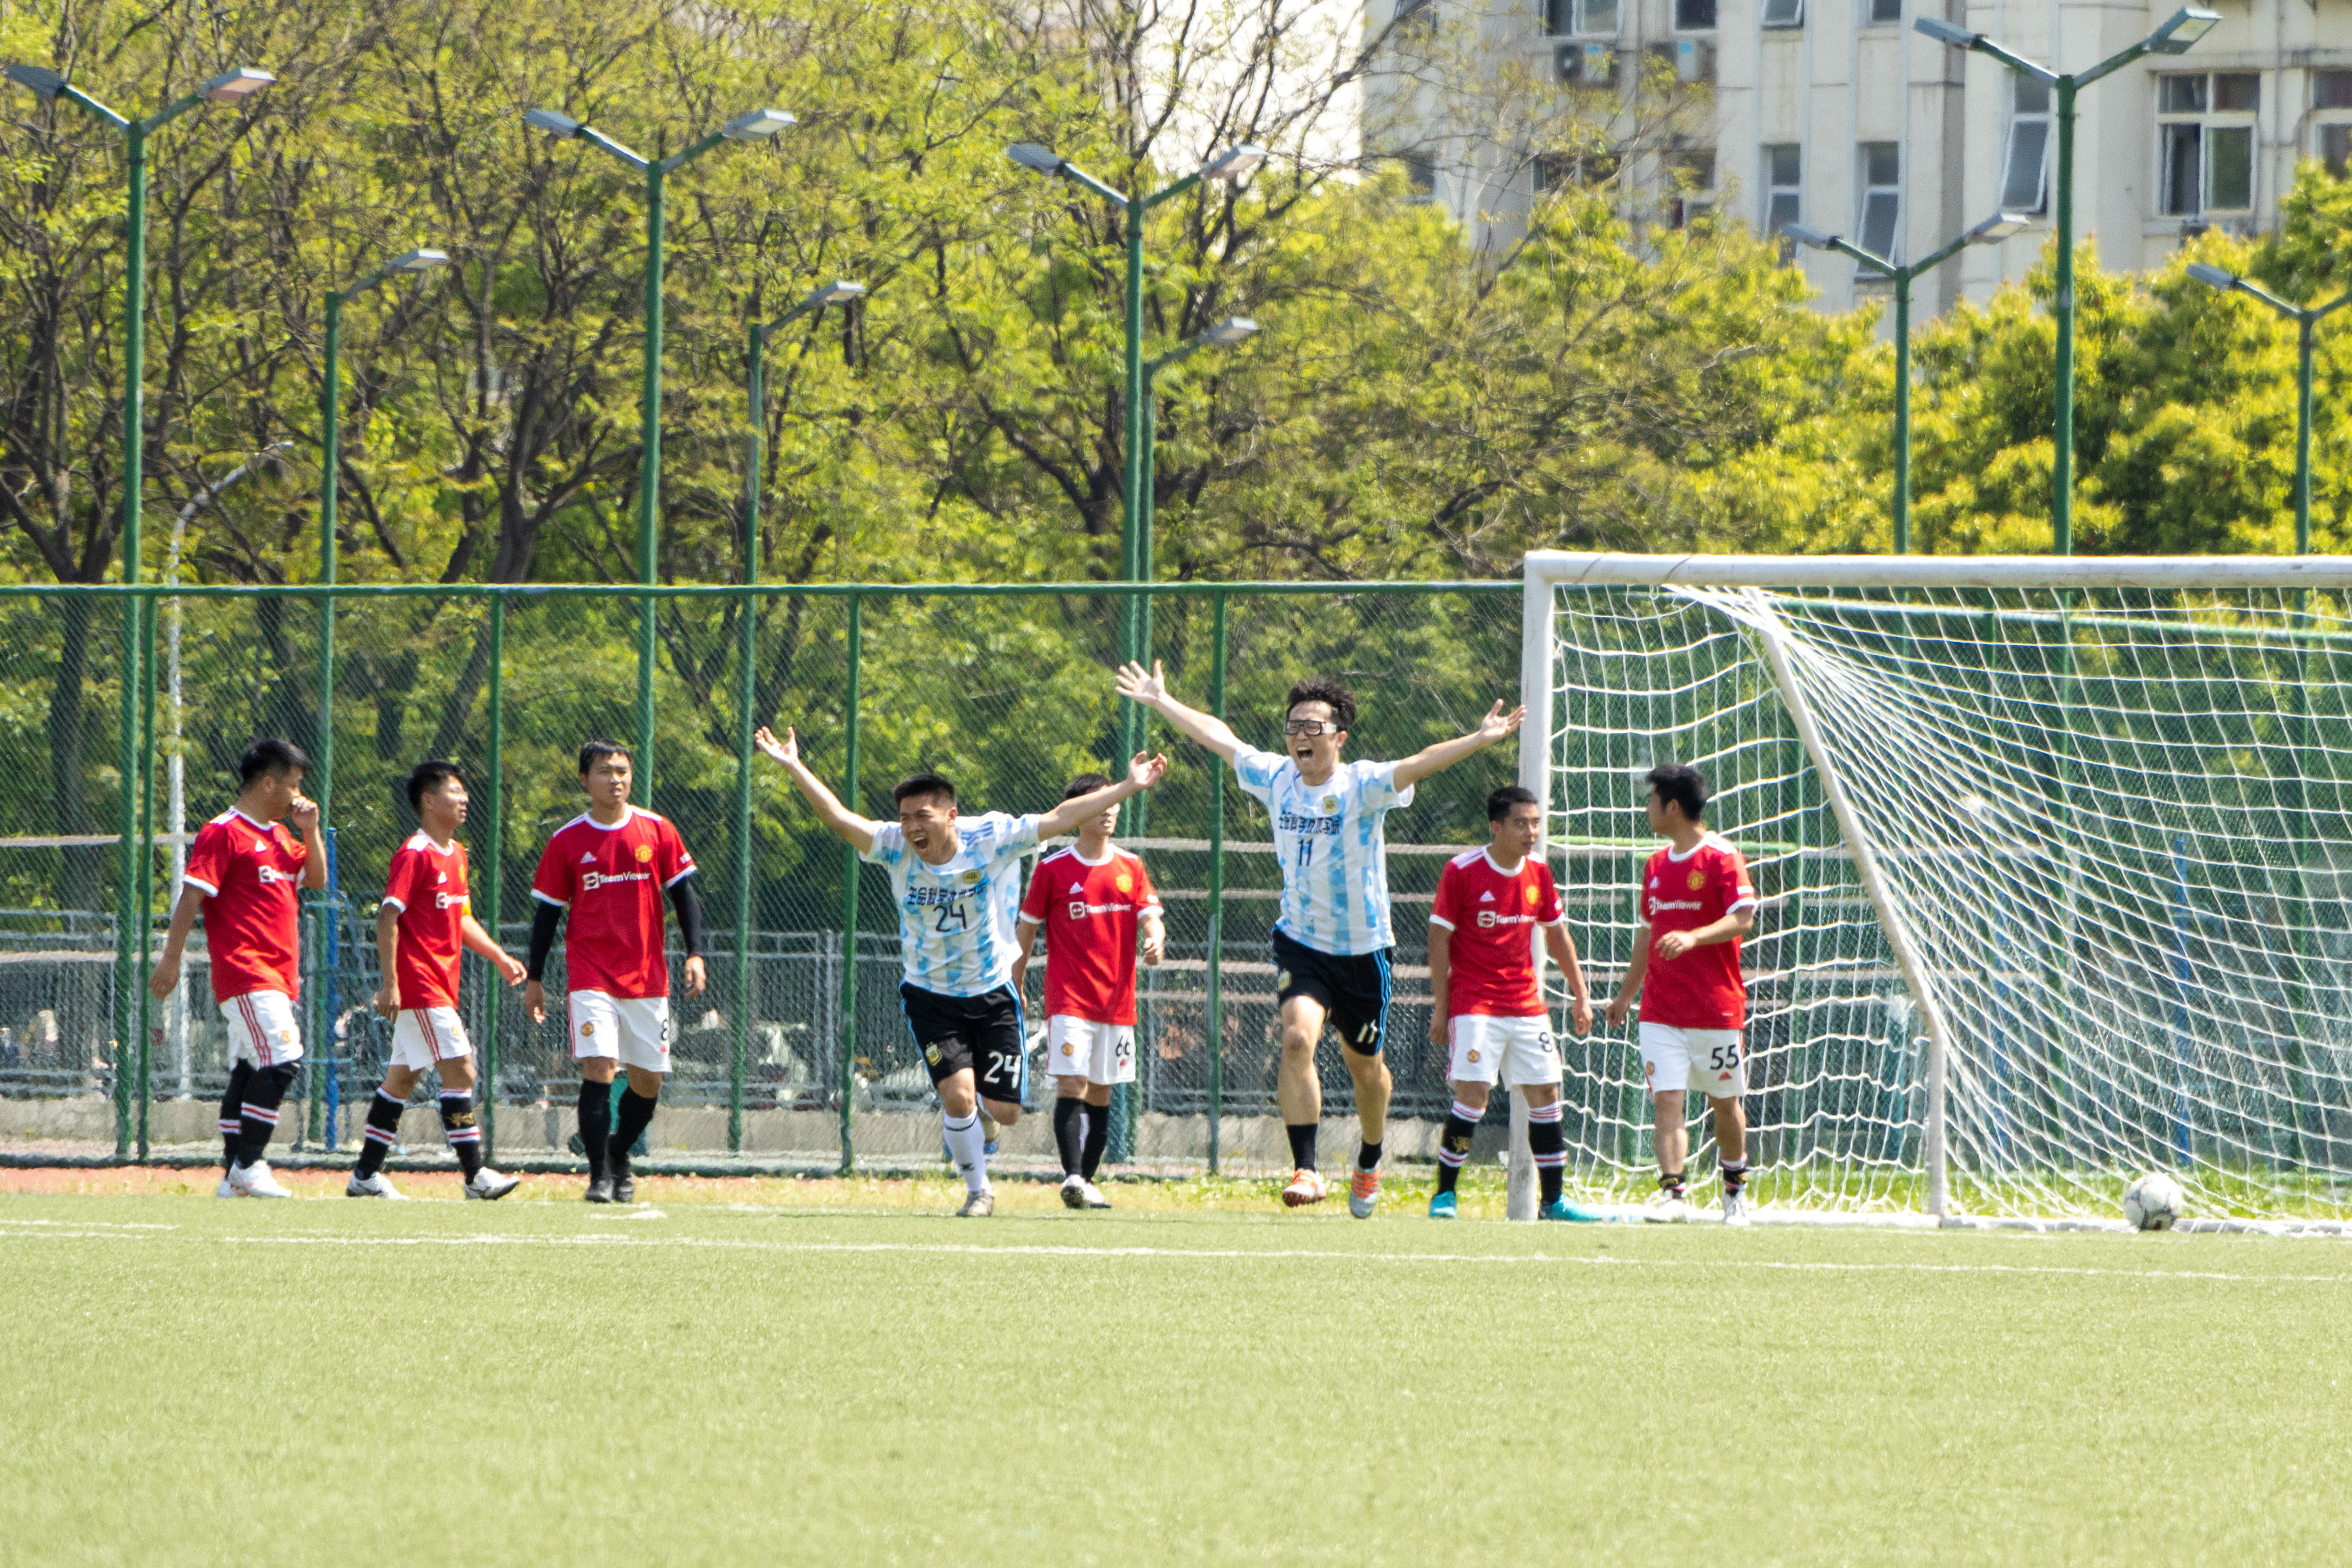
{"x": 688, "y": 905}
{"x": 547, "y": 917}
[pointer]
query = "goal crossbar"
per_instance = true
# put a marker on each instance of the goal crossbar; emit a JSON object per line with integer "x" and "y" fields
{"x": 2189, "y": 573}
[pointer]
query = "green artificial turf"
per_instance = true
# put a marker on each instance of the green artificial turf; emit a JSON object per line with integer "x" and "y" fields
{"x": 327, "y": 1382}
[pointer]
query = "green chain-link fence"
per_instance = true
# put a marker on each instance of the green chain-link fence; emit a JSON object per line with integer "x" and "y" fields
{"x": 1006, "y": 690}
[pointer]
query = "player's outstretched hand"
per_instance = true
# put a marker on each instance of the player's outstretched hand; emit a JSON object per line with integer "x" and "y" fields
{"x": 1499, "y": 724}
{"x": 1155, "y": 948}
{"x": 785, "y": 750}
{"x": 166, "y": 975}
{"x": 697, "y": 976}
{"x": 387, "y": 999}
{"x": 304, "y": 814}
{"x": 1138, "y": 685}
{"x": 512, "y": 968}
{"x": 1146, "y": 769}
{"x": 1618, "y": 1008}
{"x": 534, "y": 1001}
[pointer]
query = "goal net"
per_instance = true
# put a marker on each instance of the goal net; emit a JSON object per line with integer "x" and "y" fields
{"x": 2053, "y": 854}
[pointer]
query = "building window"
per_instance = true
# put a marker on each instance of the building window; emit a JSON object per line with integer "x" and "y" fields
{"x": 1566, "y": 171}
{"x": 1880, "y": 166}
{"x": 2331, "y": 139}
{"x": 2205, "y": 140}
{"x": 1690, "y": 180}
{"x": 2024, "y": 178}
{"x": 1881, "y": 13}
{"x": 1580, "y": 17}
{"x": 1784, "y": 170}
{"x": 1416, "y": 18}
{"x": 1783, "y": 14}
{"x": 1420, "y": 172}
{"x": 1693, "y": 16}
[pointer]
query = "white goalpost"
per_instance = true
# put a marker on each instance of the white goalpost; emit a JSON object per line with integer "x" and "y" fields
{"x": 2055, "y": 858}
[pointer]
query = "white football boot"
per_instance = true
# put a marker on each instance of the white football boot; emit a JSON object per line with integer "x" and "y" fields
{"x": 373, "y": 1185}
{"x": 254, "y": 1181}
{"x": 489, "y": 1185}
{"x": 1735, "y": 1207}
{"x": 1093, "y": 1194}
{"x": 1074, "y": 1191}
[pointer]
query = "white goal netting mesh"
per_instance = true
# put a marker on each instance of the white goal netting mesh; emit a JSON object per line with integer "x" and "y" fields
{"x": 2113, "y": 823}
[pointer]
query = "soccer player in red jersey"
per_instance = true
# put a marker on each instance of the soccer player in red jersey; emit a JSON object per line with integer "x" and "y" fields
{"x": 1488, "y": 1012}
{"x": 1697, "y": 903}
{"x": 609, "y": 869}
{"x": 1093, "y": 902}
{"x": 427, "y": 920}
{"x": 241, "y": 876}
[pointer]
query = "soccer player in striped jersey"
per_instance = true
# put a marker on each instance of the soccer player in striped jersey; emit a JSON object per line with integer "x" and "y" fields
{"x": 241, "y": 876}
{"x": 957, "y": 881}
{"x": 607, "y": 870}
{"x": 1095, "y": 902}
{"x": 427, "y": 921}
{"x": 1697, "y": 903}
{"x": 1489, "y": 1015}
{"x": 1332, "y": 939}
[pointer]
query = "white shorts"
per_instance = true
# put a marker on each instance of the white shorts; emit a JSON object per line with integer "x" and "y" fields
{"x": 636, "y": 1029}
{"x": 1097, "y": 1052}
{"x": 1695, "y": 1060}
{"x": 261, "y": 1029}
{"x": 1498, "y": 1049}
{"x": 422, "y": 1036}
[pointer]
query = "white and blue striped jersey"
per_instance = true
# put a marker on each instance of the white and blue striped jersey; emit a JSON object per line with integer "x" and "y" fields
{"x": 955, "y": 921}
{"x": 1334, "y": 852}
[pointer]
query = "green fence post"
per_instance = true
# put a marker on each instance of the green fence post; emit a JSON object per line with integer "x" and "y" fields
{"x": 1217, "y": 891}
{"x": 495, "y": 832}
{"x": 850, "y": 798}
{"x": 146, "y": 876}
{"x": 743, "y": 703}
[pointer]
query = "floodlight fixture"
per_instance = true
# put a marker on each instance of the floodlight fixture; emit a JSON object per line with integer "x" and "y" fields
{"x": 2212, "y": 276}
{"x": 418, "y": 261}
{"x": 1998, "y": 227}
{"x": 235, "y": 86}
{"x": 1945, "y": 32}
{"x": 840, "y": 291}
{"x": 1234, "y": 164}
{"x": 2181, "y": 29}
{"x": 756, "y": 126}
{"x": 1030, "y": 155}
{"x": 1230, "y": 332}
{"x": 40, "y": 79}
{"x": 1806, "y": 234}
{"x": 562, "y": 127}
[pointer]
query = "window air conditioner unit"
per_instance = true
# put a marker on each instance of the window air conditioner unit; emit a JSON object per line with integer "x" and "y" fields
{"x": 1694, "y": 61}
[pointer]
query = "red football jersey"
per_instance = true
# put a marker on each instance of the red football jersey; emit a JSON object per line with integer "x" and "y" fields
{"x": 1090, "y": 910}
{"x": 250, "y": 873}
{"x": 612, "y": 879}
{"x": 427, "y": 885}
{"x": 1701, "y": 989}
{"x": 1493, "y": 915}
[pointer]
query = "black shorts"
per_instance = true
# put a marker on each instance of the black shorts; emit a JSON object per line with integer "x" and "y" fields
{"x": 1353, "y": 988}
{"x": 981, "y": 1033}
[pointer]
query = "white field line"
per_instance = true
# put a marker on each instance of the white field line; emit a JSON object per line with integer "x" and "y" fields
{"x": 975, "y": 1249}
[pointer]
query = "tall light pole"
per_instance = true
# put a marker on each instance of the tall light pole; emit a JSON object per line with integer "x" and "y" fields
{"x": 2306, "y": 319}
{"x": 1231, "y": 165}
{"x": 1993, "y": 230}
{"x": 840, "y": 292}
{"x": 2179, "y": 31}
{"x": 755, "y": 125}
{"x": 229, "y": 87}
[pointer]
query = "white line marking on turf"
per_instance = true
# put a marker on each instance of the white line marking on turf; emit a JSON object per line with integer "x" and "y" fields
{"x": 94, "y": 1224}
{"x": 976, "y": 1249}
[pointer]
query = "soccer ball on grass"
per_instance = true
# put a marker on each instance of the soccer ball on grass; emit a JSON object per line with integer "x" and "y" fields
{"x": 2154, "y": 1202}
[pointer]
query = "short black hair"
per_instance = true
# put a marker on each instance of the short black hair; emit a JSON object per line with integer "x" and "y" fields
{"x": 924, "y": 783}
{"x": 1324, "y": 689}
{"x": 270, "y": 756}
{"x": 1086, "y": 784}
{"x": 426, "y": 777}
{"x": 1499, "y": 803}
{"x": 596, "y": 751}
{"x": 1680, "y": 784}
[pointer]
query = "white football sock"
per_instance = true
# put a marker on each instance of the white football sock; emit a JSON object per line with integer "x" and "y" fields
{"x": 969, "y": 1147}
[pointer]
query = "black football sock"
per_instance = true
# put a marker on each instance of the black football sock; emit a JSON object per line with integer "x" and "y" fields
{"x": 636, "y": 1116}
{"x": 1453, "y": 1145}
{"x": 1735, "y": 1177}
{"x": 464, "y": 1134}
{"x": 264, "y": 1092}
{"x": 1547, "y": 1141}
{"x": 1671, "y": 1181}
{"x": 383, "y": 1132}
{"x": 595, "y": 1123}
{"x": 1069, "y": 1132}
{"x": 231, "y": 1112}
{"x": 1367, "y": 1157}
{"x": 1302, "y": 1145}
{"x": 1097, "y": 1139}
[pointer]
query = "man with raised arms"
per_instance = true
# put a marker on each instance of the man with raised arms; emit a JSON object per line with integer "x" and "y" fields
{"x": 1332, "y": 939}
{"x": 956, "y": 883}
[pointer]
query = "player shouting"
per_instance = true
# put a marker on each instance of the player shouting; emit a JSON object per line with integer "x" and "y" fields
{"x": 1332, "y": 939}
{"x": 1697, "y": 903}
{"x": 241, "y": 876}
{"x": 609, "y": 869}
{"x": 1488, "y": 1013}
{"x": 427, "y": 920}
{"x": 956, "y": 881}
{"x": 1093, "y": 901}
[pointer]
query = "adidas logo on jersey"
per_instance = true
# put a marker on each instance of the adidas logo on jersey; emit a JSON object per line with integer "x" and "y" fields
{"x": 1486, "y": 898}
{"x": 441, "y": 878}
{"x": 588, "y": 857}
{"x": 1077, "y": 887}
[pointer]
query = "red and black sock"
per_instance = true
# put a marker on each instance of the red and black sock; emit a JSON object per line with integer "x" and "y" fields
{"x": 383, "y": 1132}
{"x": 1547, "y": 1141}
{"x": 1735, "y": 1177}
{"x": 1090, "y": 1158}
{"x": 231, "y": 1111}
{"x": 464, "y": 1138}
{"x": 1069, "y": 1132}
{"x": 264, "y": 1092}
{"x": 1453, "y": 1145}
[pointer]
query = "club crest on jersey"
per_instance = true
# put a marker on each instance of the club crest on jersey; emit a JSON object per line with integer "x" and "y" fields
{"x": 1069, "y": 1047}
{"x": 1696, "y": 880}
{"x": 1473, "y": 1053}
{"x": 1329, "y": 803}
{"x": 932, "y": 1054}
{"x": 586, "y": 1030}
{"x": 971, "y": 877}
{"x": 644, "y": 853}
{"x": 1532, "y": 896}
{"x": 1282, "y": 981}
{"x": 1126, "y": 883}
